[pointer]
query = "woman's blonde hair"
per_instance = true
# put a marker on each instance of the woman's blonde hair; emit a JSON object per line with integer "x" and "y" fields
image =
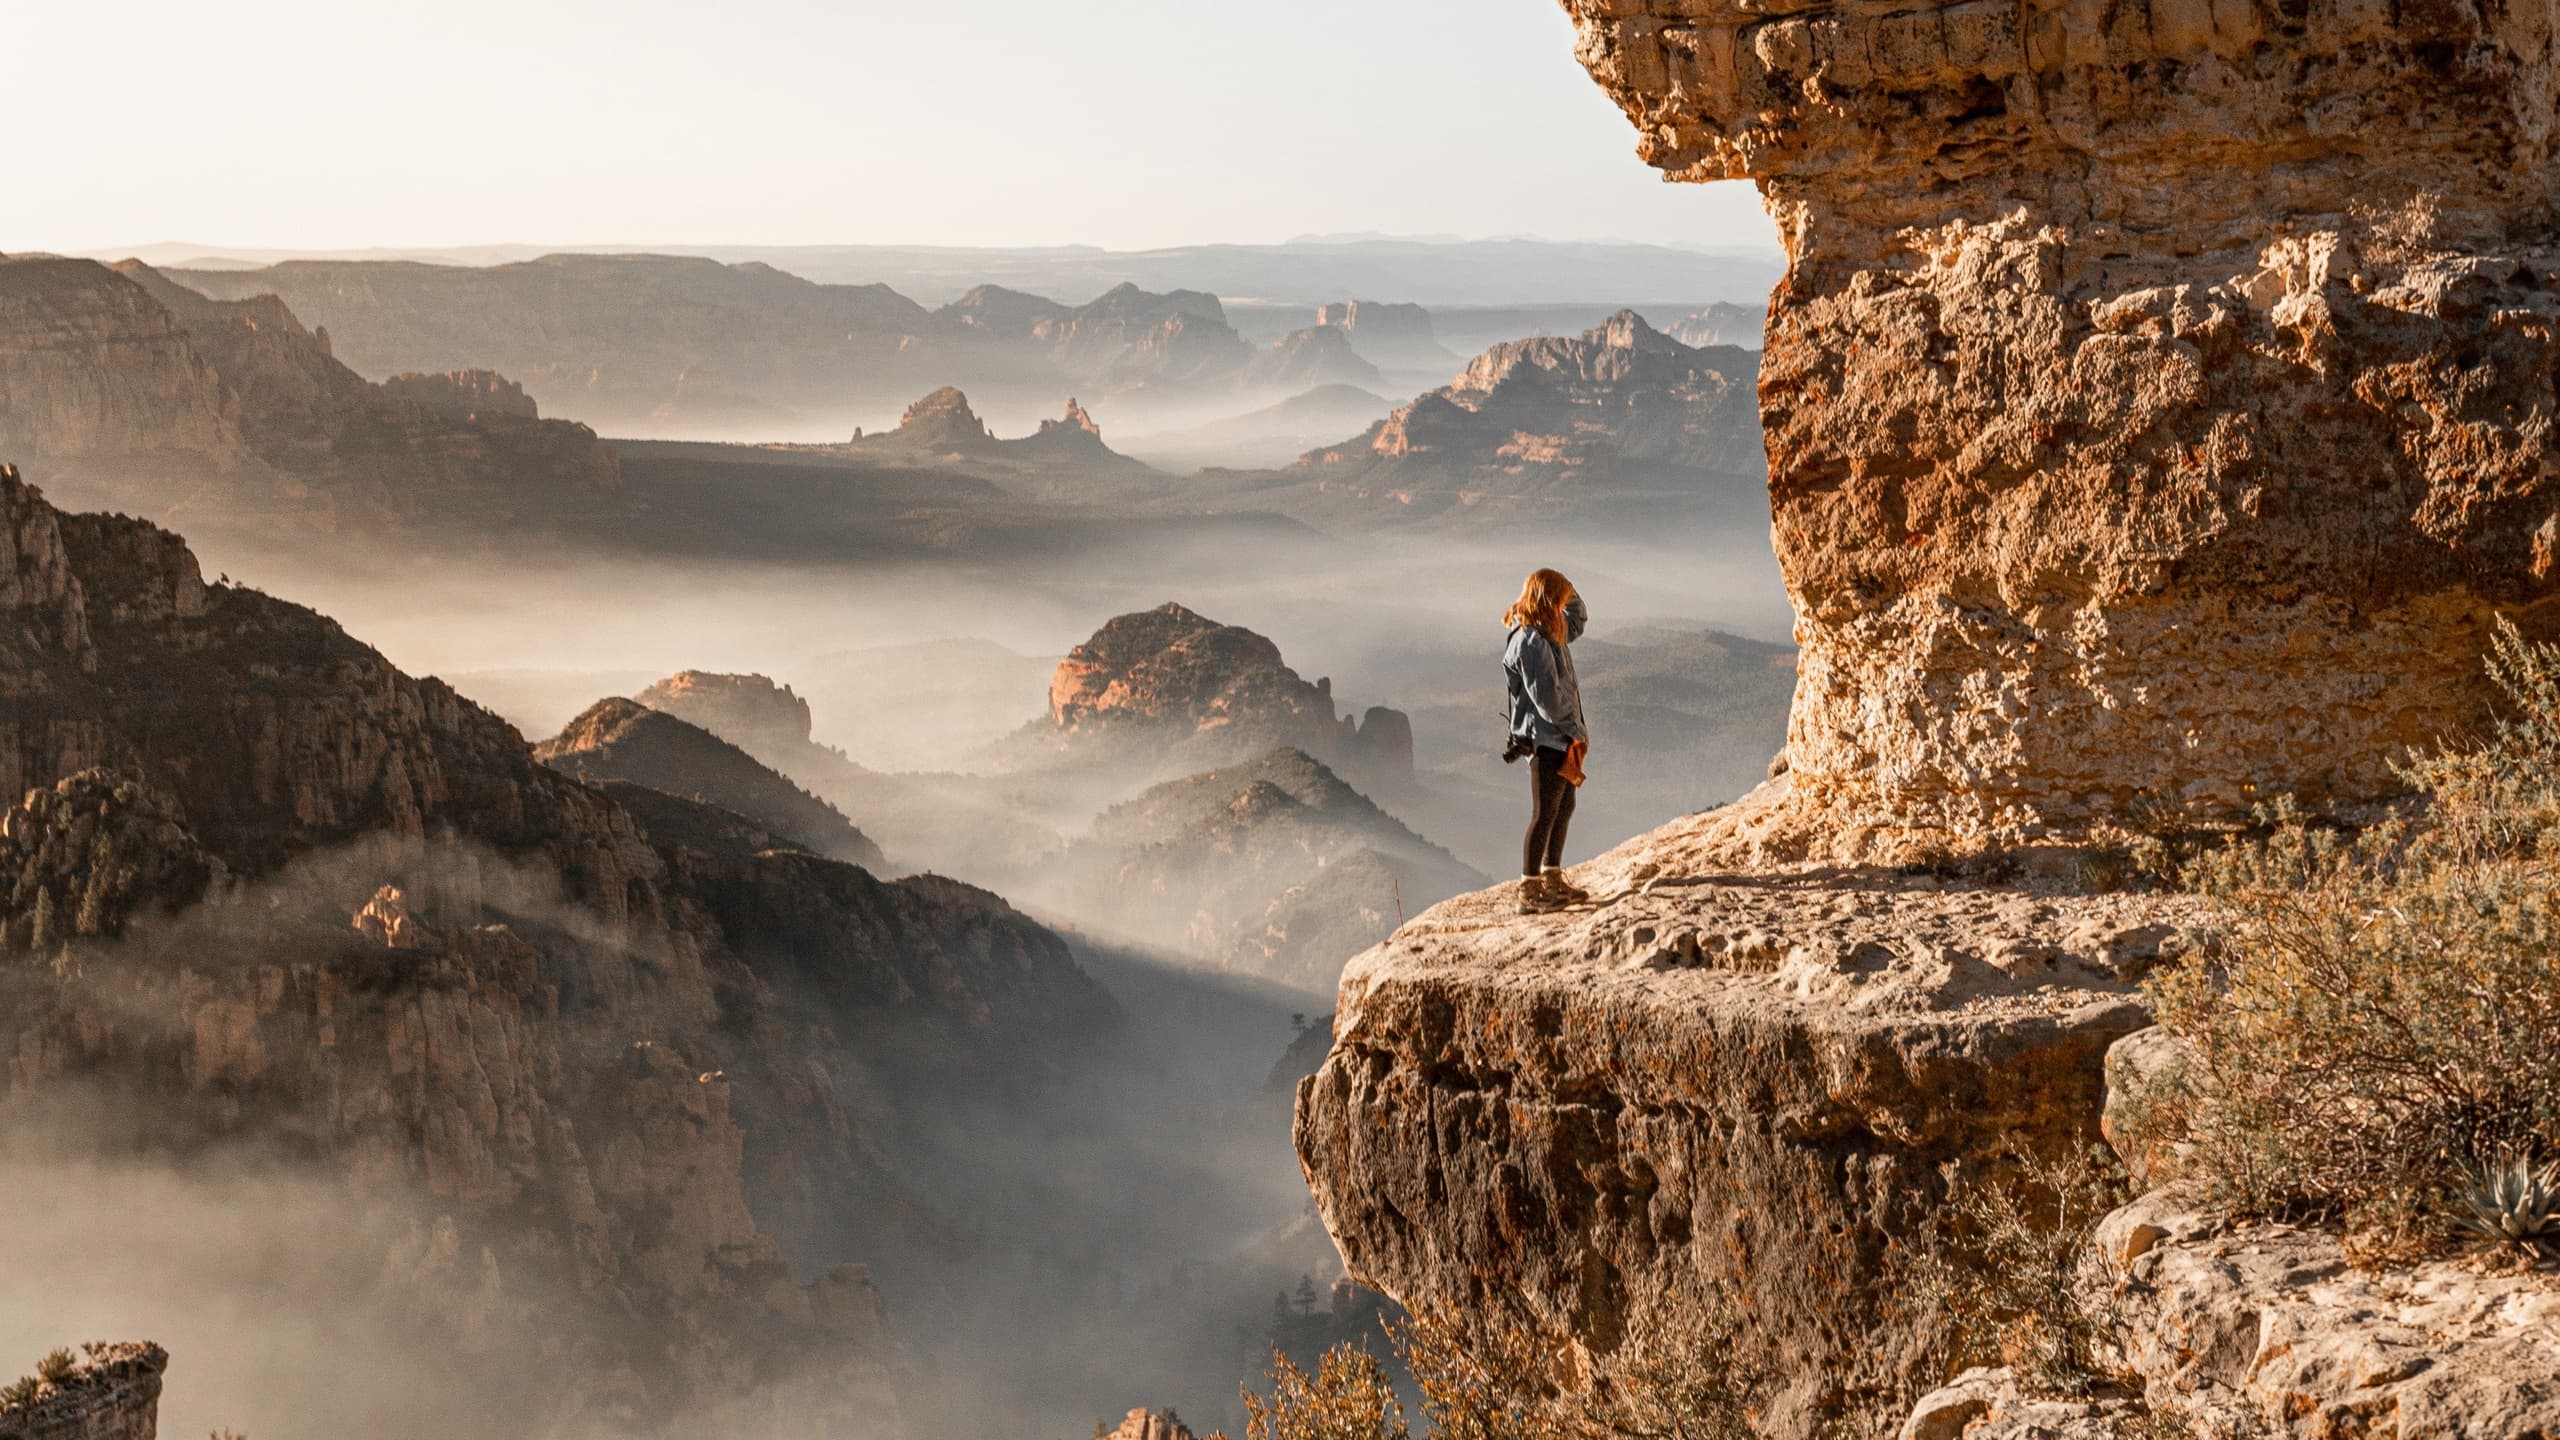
{"x": 1541, "y": 604}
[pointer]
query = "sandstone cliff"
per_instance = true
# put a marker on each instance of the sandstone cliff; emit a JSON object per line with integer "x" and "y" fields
{"x": 91, "y": 365}
{"x": 2158, "y": 411}
{"x": 289, "y": 891}
{"x": 2170, "y": 382}
{"x": 144, "y": 395}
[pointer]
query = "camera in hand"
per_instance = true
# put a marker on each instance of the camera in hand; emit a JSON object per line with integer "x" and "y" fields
{"x": 1515, "y": 748}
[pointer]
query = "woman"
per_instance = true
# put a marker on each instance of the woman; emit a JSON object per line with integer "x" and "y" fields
{"x": 1546, "y": 725}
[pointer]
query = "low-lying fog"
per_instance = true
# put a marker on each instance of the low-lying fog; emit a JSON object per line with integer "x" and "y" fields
{"x": 1124, "y": 1240}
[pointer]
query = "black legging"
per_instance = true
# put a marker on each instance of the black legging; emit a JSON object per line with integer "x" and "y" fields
{"x": 1550, "y": 810}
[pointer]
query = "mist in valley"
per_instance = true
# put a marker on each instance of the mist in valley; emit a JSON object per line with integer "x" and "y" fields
{"x": 1118, "y": 1232}
{"x": 1099, "y": 1211}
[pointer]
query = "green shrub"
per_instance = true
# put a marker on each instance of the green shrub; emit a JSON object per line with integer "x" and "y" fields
{"x": 2375, "y": 1014}
{"x": 57, "y": 1367}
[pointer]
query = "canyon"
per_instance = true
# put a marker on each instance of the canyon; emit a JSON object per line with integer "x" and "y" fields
{"x": 271, "y": 890}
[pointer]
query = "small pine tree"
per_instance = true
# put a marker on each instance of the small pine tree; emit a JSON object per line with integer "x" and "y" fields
{"x": 40, "y": 923}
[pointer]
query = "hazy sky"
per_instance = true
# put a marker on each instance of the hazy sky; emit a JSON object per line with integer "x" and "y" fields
{"x": 1129, "y": 123}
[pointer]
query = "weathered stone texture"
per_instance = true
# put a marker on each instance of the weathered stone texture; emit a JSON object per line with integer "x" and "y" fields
{"x": 1723, "y": 1091}
{"x": 2269, "y": 1326}
{"x": 2159, "y": 399}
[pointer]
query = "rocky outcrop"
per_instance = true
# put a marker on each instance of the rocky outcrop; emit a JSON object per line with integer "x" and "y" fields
{"x": 1394, "y": 337}
{"x": 1182, "y": 691}
{"x": 1144, "y": 1424}
{"x": 768, "y": 721}
{"x": 1621, "y": 421}
{"x": 108, "y": 1392}
{"x": 2269, "y": 1329}
{"x": 941, "y": 423}
{"x": 291, "y": 895}
{"x": 617, "y": 739}
{"x": 466, "y": 393}
{"x": 2159, "y": 399}
{"x": 1712, "y": 1093}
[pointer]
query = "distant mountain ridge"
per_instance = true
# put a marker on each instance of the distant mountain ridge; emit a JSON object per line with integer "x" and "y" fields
{"x": 1306, "y": 270}
{"x": 673, "y": 345}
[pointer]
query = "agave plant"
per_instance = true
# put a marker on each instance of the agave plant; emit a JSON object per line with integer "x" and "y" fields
{"x": 2515, "y": 1202}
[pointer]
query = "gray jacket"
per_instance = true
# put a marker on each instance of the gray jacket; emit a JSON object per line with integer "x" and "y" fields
{"x": 1546, "y": 699}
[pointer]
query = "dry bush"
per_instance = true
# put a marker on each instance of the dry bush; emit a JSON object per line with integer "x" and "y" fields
{"x": 2005, "y": 1270}
{"x": 2374, "y": 1016}
{"x": 1347, "y": 1397}
{"x": 1682, "y": 1380}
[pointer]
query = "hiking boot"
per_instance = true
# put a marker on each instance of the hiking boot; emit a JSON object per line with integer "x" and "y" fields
{"x": 1561, "y": 890}
{"x": 1535, "y": 897}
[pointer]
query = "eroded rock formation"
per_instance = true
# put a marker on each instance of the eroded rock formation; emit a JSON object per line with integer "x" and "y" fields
{"x": 2159, "y": 398}
{"x": 1172, "y": 683}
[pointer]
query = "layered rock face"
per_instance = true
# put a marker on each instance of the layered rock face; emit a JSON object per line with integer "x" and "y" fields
{"x": 280, "y": 891}
{"x": 112, "y": 1392}
{"x": 2159, "y": 399}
